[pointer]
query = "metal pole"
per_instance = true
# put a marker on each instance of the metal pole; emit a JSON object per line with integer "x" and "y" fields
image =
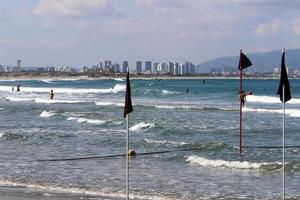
{"x": 127, "y": 157}
{"x": 283, "y": 145}
{"x": 241, "y": 106}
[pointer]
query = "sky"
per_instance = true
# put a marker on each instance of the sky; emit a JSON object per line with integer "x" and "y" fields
{"x": 85, "y": 32}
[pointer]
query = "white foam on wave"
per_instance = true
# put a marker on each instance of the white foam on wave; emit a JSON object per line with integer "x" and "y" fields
{"x": 104, "y": 192}
{"x": 165, "y": 107}
{"x": 1, "y": 109}
{"x": 289, "y": 112}
{"x": 109, "y": 104}
{"x": 119, "y": 79}
{"x": 269, "y": 99}
{"x": 2, "y": 135}
{"x": 46, "y": 114}
{"x": 164, "y": 142}
{"x": 86, "y": 120}
{"x": 46, "y": 81}
{"x": 50, "y": 101}
{"x": 175, "y": 106}
{"x": 141, "y": 125}
{"x": 223, "y": 164}
{"x": 165, "y": 92}
{"x": 117, "y": 88}
{"x": 18, "y": 99}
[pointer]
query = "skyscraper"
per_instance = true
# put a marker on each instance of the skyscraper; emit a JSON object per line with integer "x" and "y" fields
{"x": 139, "y": 66}
{"x": 124, "y": 66}
{"x": 148, "y": 66}
{"x": 19, "y": 63}
{"x": 107, "y": 64}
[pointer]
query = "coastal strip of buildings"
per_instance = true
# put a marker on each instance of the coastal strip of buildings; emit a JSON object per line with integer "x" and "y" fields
{"x": 146, "y": 68}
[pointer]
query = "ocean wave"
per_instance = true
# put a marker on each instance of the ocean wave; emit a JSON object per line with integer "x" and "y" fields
{"x": 141, "y": 126}
{"x": 2, "y": 135}
{"x": 86, "y": 120}
{"x": 46, "y": 81}
{"x": 101, "y": 192}
{"x": 117, "y": 88}
{"x": 166, "y": 92}
{"x": 223, "y": 164}
{"x": 18, "y": 99}
{"x": 165, "y": 142}
{"x": 109, "y": 104}
{"x": 196, "y": 107}
{"x": 50, "y": 101}
{"x": 1, "y": 109}
{"x": 119, "y": 79}
{"x": 46, "y": 114}
{"x": 269, "y": 99}
{"x": 289, "y": 112}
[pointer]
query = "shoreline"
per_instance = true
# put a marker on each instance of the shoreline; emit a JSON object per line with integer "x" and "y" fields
{"x": 133, "y": 77}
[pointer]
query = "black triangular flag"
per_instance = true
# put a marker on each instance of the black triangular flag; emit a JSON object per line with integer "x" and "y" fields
{"x": 128, "y": 104}
{"x": 284, "y": 81}
{"x": 244, "y": 61}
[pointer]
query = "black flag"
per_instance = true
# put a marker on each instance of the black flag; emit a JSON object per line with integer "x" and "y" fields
{"x": 128, "y": 104}
{"x": 244, "y": 61}
{"x": 284, "y": 81}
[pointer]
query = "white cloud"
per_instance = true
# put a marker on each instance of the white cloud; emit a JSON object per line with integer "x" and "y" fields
{"x": 76, "y": 8}
{"x": 296, "y": 26}
{"x": 271, "y": 27}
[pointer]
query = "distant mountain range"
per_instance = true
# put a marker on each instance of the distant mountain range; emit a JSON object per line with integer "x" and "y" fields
{"x": 262, "y": 62}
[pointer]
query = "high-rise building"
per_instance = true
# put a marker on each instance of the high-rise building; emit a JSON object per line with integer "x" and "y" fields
{"x": 177, "y": 69}
{"x": 171, "y": 68}
{"x": 139, "y": 66}
{"x": 125, "y": 66}
{"x": 155, "y": 67}
{"x": 107, "y": 64}
{"x": 19, "y": 63}
{"x": 148, "y": 66}
{"x": 116, "y": 67}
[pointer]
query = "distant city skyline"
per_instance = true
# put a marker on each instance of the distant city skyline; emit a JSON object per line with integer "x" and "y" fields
{"x": 84, "y": 32}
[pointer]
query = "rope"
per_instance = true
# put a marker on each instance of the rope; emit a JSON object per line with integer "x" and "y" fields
{"x": 152, "y": 153}
{"x": 114, "y": 155}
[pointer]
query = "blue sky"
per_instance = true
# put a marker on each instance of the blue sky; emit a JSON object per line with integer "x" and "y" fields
{"x": 84, "y": 32}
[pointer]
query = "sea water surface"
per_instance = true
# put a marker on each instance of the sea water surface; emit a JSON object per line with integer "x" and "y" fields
{"x": 86, "y": 119}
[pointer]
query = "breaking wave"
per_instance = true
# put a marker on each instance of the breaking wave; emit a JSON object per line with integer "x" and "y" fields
{"x": 117, "y": 88}
{"x": 166, "y": 92}
{"x": 269, "y": 99}
{"x": 2, "y": 135}
{"x": 109, "y": 104}
{"x": 50, "y": 101}
{"x": 107, "y": 193}
{"x": 289, "y": 112}
{"x": 165, "y": 142}
{"x": 119, "y": 79}
{"x": 224, "y": 164}
{"x": 86, "y": 120}
{"x": 46, "y": 114}
{"x": 18, "y": 99}
{"x": 141, "y": 126}
{"x": 46, "y": 81}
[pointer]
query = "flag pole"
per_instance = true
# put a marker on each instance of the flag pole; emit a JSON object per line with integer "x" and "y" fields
{"x": 241, "y": 106}
{"x": 283, "y": 144}
{"x": 127, "y": 157}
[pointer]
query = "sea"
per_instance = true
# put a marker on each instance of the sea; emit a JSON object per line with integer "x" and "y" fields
{"x": 192, "y": 122}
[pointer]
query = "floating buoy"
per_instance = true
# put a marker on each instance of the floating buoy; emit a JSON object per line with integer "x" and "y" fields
{"x": 131, "y": 153}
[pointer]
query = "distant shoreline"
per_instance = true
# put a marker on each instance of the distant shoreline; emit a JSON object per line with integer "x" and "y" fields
{"x": 159, "y": 77}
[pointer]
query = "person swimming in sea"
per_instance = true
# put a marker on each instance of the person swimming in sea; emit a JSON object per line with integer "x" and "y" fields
{"x": 18, "y": 87}
{"x": 51, "y": 94}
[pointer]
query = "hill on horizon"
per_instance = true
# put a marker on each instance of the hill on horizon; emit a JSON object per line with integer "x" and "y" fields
{"x": 262, "y": 61}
